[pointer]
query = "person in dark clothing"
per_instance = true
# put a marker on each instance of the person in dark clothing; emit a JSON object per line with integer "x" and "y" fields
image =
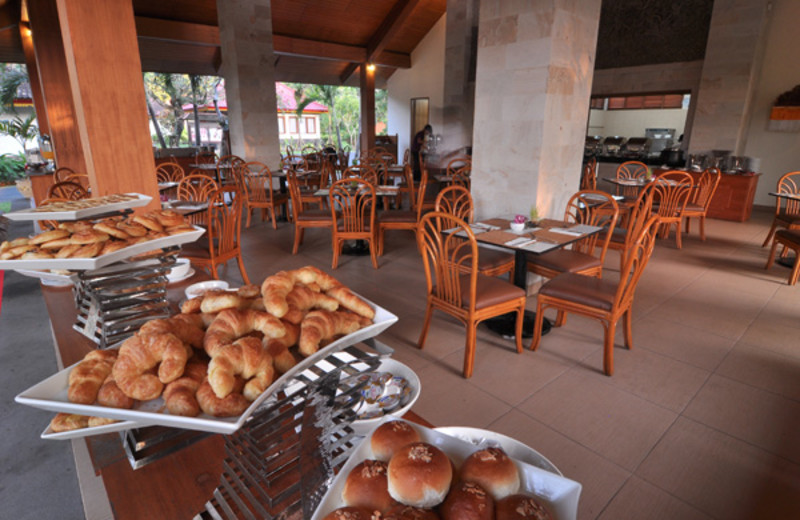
{"x": 416, "y": 147}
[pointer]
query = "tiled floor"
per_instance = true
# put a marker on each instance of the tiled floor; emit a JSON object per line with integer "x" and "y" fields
{"x": 700, "y": 419}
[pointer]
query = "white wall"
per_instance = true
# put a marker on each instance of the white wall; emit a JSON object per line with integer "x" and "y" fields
{"x": 632, "y": 123}
{"x": 425, "y": 78}
{"x": 779, "y": 151}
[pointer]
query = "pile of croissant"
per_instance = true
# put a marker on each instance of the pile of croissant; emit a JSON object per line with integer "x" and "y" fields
{"x": 222, "y": 351}
{"x": 86, "y": 239}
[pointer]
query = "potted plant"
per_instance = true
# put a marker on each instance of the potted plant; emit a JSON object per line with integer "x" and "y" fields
{"x": 518, "y": 224}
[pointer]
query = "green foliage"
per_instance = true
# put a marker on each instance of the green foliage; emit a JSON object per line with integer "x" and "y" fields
{"x": 23, "y": 130}
{"x": 12, "y": 167}
{"x": 169, "y": 92}
{"x": 12, "y": 77}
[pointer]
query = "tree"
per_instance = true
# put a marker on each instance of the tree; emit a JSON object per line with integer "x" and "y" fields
{"x": 12, "y": 78}
{"x": 327, "y": 95}
{"x": 23, "y": 130}
{"x": 171, "y": 92}
{"x": 301, "y": 101}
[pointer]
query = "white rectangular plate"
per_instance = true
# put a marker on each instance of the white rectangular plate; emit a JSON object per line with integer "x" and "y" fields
{"x": 50, "y": 435}
{"x": 32, "y": 214}
{"x": 560, "y": 495}
{"x": 51, "y": 394}
{"x": 79, "y": 264}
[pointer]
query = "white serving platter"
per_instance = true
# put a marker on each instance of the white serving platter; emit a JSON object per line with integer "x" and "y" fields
{"x": 51, "y": 394}
{"x": 33, "y": 214}
{"x": 364, "y": 426}
{"x": 81, "y": 264}
{"x": 560, "y": 495}
{"x": 47, "y": 277}
{"x": 50, "y": 435}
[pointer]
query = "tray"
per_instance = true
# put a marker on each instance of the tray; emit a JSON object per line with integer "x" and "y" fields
{"x": 559, "y": 494}
{"x": 50, "y": 435}
{"x": 51, "y": 394}
{"x": 32, "y": 214}
{"x": 47, "y": 277}
{"x": 82, "y": 264}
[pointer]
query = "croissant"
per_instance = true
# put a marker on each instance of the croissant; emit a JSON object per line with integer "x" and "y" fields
{"x": 180, "y": 395}
{"x": 216, "y": 301}
{"x": 183, "y": 327}
{"x": 319, "y": 326}
{"x": 111, "y": 395}
{"x": 64, "y": 422}
{"x": 140, "y": 353}
{"x": 274, "y": 291}
{"x": 310, "y": 275}
{"x": 231, "y": 324}
{"x": 246, "y": 358}
{"x": 232, "y": 405}
{"x": 100, "y": 421}
{"x": 278, "y": 348}
{"x": 304, "y": 299}
{"x": 88, "y": 375}
{"x": 350, "y": 301}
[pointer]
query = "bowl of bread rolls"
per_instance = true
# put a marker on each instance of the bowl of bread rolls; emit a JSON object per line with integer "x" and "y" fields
{"x": 405, "y": 471}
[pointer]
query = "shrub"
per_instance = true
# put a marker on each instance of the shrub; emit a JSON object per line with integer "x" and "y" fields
{"x": 12, "y": 167}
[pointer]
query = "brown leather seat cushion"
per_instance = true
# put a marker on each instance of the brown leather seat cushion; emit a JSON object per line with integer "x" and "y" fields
{"x": 565, "y": 261}
{"x": 398, "y": 216}
{"x": 492, "y": 258}
{"x": 788, "y": 235}
{"x": 196, "y": 250}
{"x": 619, "y": 235}
{"x": 790, "y": 218}
{"x": 314, "y": 214}
{"x": 691, "y": 206}
{"x": 489, "y": 291}
{"x": 586, "y": 290}
{"x": 341, "y": 229}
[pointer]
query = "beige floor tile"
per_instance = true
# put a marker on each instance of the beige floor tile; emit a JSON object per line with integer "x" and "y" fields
{"x": 573, "y": 342}
{"x": 642, "y": 501}
{"x": 774, "y": 334}
{"x": 681, "y": 342}
{"x": 619, "y": 426}
{"x": 651, "y": 376}
{"x": 447, "y": 399}
{"x": 600, "y": 479}
{"x": 762, "y": 418}
{"x": 722, "y": 476}
{"x": 763, "y": 369}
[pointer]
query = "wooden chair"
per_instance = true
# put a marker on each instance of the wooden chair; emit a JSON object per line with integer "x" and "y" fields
{"x": 789, "y": 239}
{"x": 589, "y": 175}
{"x": 458, "y": 163}
{"x": 427, "y": 200}
{"x": 594, "y": 208}
{"x": 169, "y": 172}
{"x": 787, "y": 211}
{"x": 400, "y": 219}
{"x": 67, "y": 190}
{"x": 353, "y": 215}
{"x": 196, "y": 187}
{"x": 461, "y": 177}
{"x": 223, "y": 238}
{"x": 623, "y": 237}
{"x": 304, "y": 218}
{"x": 229, "y": 173}
{"x": 630, "y": 170}
{"x": 603, "y": 300}
{"x": 671, "y": 192}
{"x": 61, "y": 173}
{"x": 697, "y": 207}
{"x": 457, "y": 201}
{"x": 458, "y": 290}
{"x": 363, "y": 171}
{"x": 258, "y": 192}
{"x": 78, "y": 178}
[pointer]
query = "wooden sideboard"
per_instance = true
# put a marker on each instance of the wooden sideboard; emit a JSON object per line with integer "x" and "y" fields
{"x": 733, "y": 199}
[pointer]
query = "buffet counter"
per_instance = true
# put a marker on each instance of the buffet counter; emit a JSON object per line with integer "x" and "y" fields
{"x": 175, "y": 486}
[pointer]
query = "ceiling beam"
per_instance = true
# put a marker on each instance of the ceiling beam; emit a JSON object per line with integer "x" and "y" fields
{"x": 183, "y": 32}
{"x": 388, "y": 28}
{"x": 9, "y": 15}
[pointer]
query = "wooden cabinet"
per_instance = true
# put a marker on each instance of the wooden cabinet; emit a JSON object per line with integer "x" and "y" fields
{"x": 733, "y": 199}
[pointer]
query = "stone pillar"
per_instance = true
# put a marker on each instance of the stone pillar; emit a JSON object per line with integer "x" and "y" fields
{"x": 248, "y": 65}
{"x": 532, "y": 89}
{"x": 731, "y": 67}
{"x": 459, "y": 78}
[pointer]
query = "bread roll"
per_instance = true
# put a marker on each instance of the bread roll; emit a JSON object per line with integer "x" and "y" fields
{"x": 467, "y": 501}
{"x": 366, "y": 486}
{"x": 493, "y": 470}
{"x": 401, "y": 512}
{"x": 352, "y": 513}
{"x": 521, "y": 507}
{"x": 390, "y": 437}
{"x": 420, "y": 475}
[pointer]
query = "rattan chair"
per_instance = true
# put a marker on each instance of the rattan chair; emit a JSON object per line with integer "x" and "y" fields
{"x": 630, "y": 170}
{"x": 353, "y": 215}
{"x": 304, "y": 218}
{"x": 600, "y": 299}
{"x": 697, "y": 207}
{"x": 589, "y": 175}
{"x": 399, "y": 219}
{"x": 671, "y": 192}
{"x": 623, "y": 237}
{"x": 787, "y": 211}
{"x": 789, "y": 239}
{"x": 467, "y": 295}
{"x": 67, "y": 190}
{"x": 259, "y": 193}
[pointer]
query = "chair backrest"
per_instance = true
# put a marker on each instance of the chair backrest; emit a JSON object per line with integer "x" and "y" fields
{"x": 60, "y": 174}
{"x": 593, "y": 208}
{"x": 364, "y": 171}
{"x": 67, "y": 190}
{"x": 352, "y": 203}
{"x": 257, "y": 182}
{"x": 459, "y": 163}
{"x": 457, "y": 201}
{"x": 294, "y": 193}
{"x": 327, "y": 173}
{"x": 589, "y": 175}
{"x": 294, "y": 162}
{"x": 631, "y": 170}
{"x": 205, "y": 158}
{"x": 196, "y": 187}
{"x": 461, "y": 177}
{"x": 706, "y": 187}
{"x": 169, "y": 172}
{"x": 224, "y": 223}
{"x": 446, "y": 256}
{"x": 78, "y": 178}
{"x": 788, "y": 183}
{"x": 635, "y": 262}
{"x": 226, "y": 166}
{"x": 672, "y": 190}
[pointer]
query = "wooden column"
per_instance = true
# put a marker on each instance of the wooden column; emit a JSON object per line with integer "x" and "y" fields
{"x": 33, "y": 77}
{"x": 105, "y": 76}
{"x": 51, "y": 69}
{"x": 367, "y": 107}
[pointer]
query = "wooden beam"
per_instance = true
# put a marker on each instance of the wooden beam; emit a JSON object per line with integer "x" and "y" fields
{"x": 291, "y": 46}
{"x": 388, "y": 28}
{"x": 367, "y": 108}
{"x": 169, "y": 30}
{"x": 25, "y": 35}
{"x": 9, "y": 15}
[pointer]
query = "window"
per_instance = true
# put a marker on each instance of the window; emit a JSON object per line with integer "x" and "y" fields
{"x": 639, "y": 102}
{"x": 281, "y": 125}
{"x": 311, "y": 125}
{"x": 293, "y": 124}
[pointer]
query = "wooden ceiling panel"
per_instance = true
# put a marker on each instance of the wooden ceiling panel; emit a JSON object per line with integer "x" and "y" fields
{"x": 193, "y": 11}
{"x": 161, "y": 56}
{"x": 321, "y": 72}
{"x": 419, "y": 23}
{"x": 11, "y": 46}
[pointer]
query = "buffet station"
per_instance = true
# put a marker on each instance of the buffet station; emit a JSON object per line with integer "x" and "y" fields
{"x": 198, "y": 400}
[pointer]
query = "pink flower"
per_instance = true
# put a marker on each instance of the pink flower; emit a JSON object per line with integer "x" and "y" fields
{"x": 520, "y": 219}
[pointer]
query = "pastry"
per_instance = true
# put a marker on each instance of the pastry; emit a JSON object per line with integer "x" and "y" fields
{"x": 419, "y": 475}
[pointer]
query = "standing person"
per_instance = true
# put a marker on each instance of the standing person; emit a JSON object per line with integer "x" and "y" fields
{"x": 417, "y": 146}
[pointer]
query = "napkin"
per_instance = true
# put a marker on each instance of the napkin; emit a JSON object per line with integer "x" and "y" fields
{"x": 565, "y": 231}
{"x": 520, "y": 242}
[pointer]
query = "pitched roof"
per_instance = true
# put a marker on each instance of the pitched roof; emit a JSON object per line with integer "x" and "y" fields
{"x": 286, "y": 101}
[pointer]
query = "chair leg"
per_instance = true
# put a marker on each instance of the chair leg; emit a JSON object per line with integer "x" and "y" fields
{"x": 795, "y": 270}
{"x": 537, "y": 327}
{"x": 769, "y": 235}
{"x": 561, "y": 318}
{"x": 424, "y": 333}
{"x": 703, "y": 228}
{"x": 518, "y": 327}
{"x": 272, "y": 214}
{"x": 298, "y": 238}
{"x": 608, "y": 348}
{"x": 469, "y": 350}
{"x": 381, "y": 238}
{"x": 242, "y": 269}
{"x": 678, "y": 234}
{"x": 249, "y": 212}
{"x": 688, "y": 220}
{"x": 771, "y": 257}
{"x": 337, "y": 245}
{"x": 214, "y": 274}
{"x": 627, "y": 318}
{"x": 373, "y": 251}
